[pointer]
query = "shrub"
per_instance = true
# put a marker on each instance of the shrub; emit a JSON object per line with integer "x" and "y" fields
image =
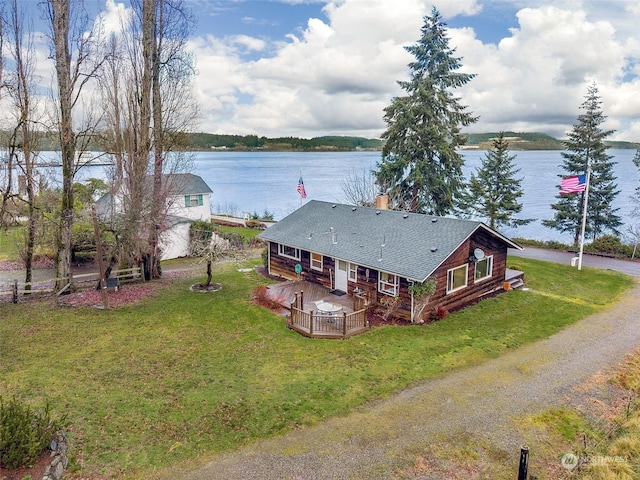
{"x": 611, "y": 245}
{"x": 439, "y": 312}
{"x": 390, "y": 306}
{"x": 235, "y": 239}
{"x": 251, "y": 223}
{"x": 261, "y": 297}
{"x": 550, "y": 244}
{"x": 24, "y": 433}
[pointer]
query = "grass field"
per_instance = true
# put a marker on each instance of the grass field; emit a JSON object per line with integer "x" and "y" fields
{"x": 9, "y": 239}
{"x": 184, "y": 374}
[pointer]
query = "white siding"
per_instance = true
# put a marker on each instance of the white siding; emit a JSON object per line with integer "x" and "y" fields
{"x": 175, "y": 241}
{"x": 200, "y": 212}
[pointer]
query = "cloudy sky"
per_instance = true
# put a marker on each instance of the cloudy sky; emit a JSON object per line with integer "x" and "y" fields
{"x": 309, "y": 68}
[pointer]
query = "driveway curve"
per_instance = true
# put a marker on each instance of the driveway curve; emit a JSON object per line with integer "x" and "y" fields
{"x": 588, "y": 260}
{"x": 482, "y": 402}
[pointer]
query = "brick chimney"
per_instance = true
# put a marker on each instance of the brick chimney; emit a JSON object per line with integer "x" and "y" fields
{"x": 382, "y": 201}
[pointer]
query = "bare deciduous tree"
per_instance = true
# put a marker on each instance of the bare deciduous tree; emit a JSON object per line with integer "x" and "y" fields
{"x": 147, "y": 95}
{"x": 208, "y": 247}
{"x": 360, "y": 189}
{"x": 74, "y": 53}
{"x": 22, "y": 145}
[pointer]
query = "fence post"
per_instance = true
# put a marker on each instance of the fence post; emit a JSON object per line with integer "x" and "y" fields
{"x": 310, "y": 322}
{"x": 524, "y": 463}
{"x": 14, "y": 293}
{"x": 344, "y": 324}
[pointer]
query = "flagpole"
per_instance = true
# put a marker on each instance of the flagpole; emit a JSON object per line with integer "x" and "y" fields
{"x": 584, "y": 215}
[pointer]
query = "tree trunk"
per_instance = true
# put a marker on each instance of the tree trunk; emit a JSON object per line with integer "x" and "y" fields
{"x": 209, "y": 274}
{"x": 60, "y": 23}
{"x": 148, "y": 54}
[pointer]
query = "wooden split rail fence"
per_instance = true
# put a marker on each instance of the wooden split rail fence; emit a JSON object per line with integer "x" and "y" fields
{"x": 16, "y": 288}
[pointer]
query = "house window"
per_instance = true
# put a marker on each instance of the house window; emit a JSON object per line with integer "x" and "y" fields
{"x": 388, "y": 283}
{"x": 484, "y": 268}
{"x": 193, "y": 201}
{"x": 287, "y": 251}
{"x": 457, "y": 278}
{"x": 353, "y": 272}
{"x": 316, "y": 261}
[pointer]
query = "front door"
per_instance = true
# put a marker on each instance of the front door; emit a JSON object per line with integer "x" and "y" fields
{"x": 342, "y": 271}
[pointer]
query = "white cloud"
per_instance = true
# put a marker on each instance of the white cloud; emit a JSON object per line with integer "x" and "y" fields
{"x": 336, "y": 77}
{"x": 114, "y": 15}
{"x": 450, "y": 9}
{"x": 536, "y": 79}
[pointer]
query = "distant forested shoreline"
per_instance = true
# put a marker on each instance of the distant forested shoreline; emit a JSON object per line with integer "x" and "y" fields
{"x": 480, "y": 141}
{"x": 212, "y": 142}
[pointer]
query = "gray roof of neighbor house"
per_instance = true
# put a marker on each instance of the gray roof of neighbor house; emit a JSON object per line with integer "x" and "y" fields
{"x": 411, "y": 245}
{"x": 187, "y": 183}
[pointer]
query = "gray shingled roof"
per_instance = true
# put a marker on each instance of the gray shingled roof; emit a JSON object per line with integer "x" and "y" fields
{"x": 411, "y": 245}
{"x": 186, "y": 183}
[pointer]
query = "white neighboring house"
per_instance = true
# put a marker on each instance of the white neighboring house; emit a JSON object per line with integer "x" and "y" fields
{"x": 188, "y": 199}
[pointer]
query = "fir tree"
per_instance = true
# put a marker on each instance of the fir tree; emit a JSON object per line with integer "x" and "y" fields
{"x": 493, "y": 191}
{"x": 585, "y": 150}
{"x": 420, "y": 167}
{"x": 636, "y": 197}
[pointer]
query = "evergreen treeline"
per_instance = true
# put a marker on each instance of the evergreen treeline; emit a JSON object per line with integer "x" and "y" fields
{"x": 533, "y": 141}
{"x": 517, "y": 141}
{"x": 208, "y": 141}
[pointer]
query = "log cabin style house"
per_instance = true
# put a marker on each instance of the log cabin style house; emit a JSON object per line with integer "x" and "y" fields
{"x": 380, "y": 252}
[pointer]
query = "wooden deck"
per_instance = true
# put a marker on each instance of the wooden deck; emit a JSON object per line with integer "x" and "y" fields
{"x": 300, "y": 299}
{"x": 285, "y": 294}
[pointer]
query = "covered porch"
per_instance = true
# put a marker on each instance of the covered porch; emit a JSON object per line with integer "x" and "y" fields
{"x": 318, "y": 312}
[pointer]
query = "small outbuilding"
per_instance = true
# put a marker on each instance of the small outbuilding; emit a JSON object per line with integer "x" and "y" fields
{"x": 188, "y": 198}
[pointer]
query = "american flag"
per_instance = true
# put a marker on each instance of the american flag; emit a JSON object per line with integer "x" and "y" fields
{"x": 301, "y": 189}
{"x": 575, "y": 184}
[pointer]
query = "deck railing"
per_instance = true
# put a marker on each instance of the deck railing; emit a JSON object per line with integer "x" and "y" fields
{"x": 342, "y": 325}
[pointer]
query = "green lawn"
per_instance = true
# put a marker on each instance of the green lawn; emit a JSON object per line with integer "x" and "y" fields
{"x": 185, "y": 374}
{"x": 246, "y": 233}
{"x": 9, "y": 239}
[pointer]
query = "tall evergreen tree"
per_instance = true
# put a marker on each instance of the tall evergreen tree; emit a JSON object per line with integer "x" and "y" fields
{"x": 584, "y": 150}
{"x": 493, "y": 191}
{"x": 636, "y": 197}
{"x": 420, "y": 167}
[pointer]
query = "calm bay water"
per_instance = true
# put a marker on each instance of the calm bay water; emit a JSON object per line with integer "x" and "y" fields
{"x": 256, "y": 182}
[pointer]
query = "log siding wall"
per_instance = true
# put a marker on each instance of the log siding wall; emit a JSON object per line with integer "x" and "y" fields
{"x": 367, "y": 279}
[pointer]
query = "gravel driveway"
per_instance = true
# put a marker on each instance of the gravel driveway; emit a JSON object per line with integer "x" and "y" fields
{"x": 481, "y": 402}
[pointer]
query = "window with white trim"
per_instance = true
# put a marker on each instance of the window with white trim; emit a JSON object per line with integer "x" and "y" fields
{"x": 457, "y": 278}
{"x": 287, "y": 251}
{"x": 484, "y": 268}
{"x": 353, "y": 272}
{"x": 316, "y": 261}
{"x": 388, "y": 283}
{"x": 193, "y": 201}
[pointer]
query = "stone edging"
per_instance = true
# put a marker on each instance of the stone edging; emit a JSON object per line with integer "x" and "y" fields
{"x": 59, "y": 460}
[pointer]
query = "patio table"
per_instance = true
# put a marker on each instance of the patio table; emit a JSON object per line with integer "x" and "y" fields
{"x": 330, "y": 309}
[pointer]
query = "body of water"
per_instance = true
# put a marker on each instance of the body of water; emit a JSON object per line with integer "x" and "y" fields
{"x": 258, "y": 182}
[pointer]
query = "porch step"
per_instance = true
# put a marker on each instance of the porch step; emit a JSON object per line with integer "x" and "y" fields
{"x": 516, "y": 283}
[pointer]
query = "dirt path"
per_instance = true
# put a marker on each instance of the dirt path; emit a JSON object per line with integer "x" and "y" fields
{"x": 481, "y": 402}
